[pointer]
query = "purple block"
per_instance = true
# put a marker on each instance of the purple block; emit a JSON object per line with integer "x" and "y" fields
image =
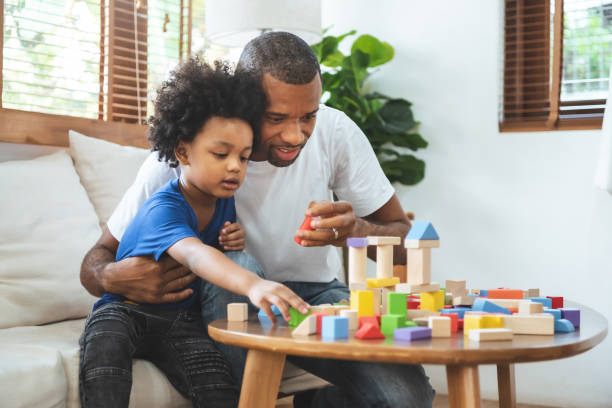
{"x": 357, "y": 242}
{"x": 573, "y": 315}
{"x": 412, "y": 333}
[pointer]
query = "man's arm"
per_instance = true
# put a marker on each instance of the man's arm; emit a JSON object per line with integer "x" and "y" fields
{"x": 138, "y": 278}
{"x": 388, "y": 220}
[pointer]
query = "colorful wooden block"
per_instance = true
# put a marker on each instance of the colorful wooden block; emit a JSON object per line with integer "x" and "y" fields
{"x": 564, "y": 326}
{"x": 454, "y": 318}
{"x": 412, "y": 314}
{"x": 413, "y": 304}
{"x": 490, "y": 335}
{"x": 531, "y": 324}
{"x": 381, "y": 282}
{"x": 471, "y": 322}
{"x": 363, "y": 302}
{"x": 483, "y": 305}
{"x": 573, "y": 315}
{"x": 433, "y": 301}
{"x": 297, "y": 317}
{"x": 492, "y": 321}
{"x": 412, "y": 333}
{"x": 334, "y": 327}
{"x": 555, "y": 312}
{"x": 505, "y": 294}
{"x": 352, "y": 317}
{"x": 440, "y": 326}
{"x": 408, "y": 288}
{"x": 319, "y": 317}
{"x": 557, "y": 302}
{"x": 369, "y": 331}
{"x": 396, "y": 303}
{"x": 389, "y": 323}
{"x": 410, "y": 323}
{"x": 305, "y": 226}
{"x": 307, "y": 327}
{"x": 545, "y": 301}
{"x": 530, "y": 307}
{"x": 479, "y": 292}
{"x": 459, "y": 311}
{"x": 263, "y": 317}
{"x": 237, "y": 312}
{"x": 421, "y": 230}
{"x": 367, "y": 319}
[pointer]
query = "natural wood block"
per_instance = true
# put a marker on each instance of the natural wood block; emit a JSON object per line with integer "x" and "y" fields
{"x": 533, "y": 292}
{"x": 357, "y": 286}
{"x": 357, "y": 264}
{"x": 490, "y": 334}
{"x": 530, "y": 308}
{"x": 384, "y": 261}
{"x": 440, "y": 326}
{"x": 418, "y": 266}
{"x": 407, "y": 288}
{"x": 422, "y": 321}
{"x": 352, "y": 315}
{"x": 531, "y": 324}
{"x": 399, "y": 271}
{"x": 307, "y": 327}
{"x": 422, "y": 243}
{"x": 463, "y": 300}
{"x": 412, "y": 314}
{"x": 384, "y": 241}
{"x": 451, "y": 286}
{"x": 237, "y": 312}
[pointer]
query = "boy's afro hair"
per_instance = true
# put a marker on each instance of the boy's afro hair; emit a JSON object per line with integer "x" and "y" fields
{"x": 193, "y": 94}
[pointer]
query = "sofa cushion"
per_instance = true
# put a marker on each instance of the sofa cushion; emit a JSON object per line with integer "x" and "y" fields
{"x": 106, "y": 170}
{"x": 46, "y": 225}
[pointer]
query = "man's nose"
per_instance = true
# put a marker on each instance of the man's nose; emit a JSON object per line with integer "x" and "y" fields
{"x": 293, "y": 134}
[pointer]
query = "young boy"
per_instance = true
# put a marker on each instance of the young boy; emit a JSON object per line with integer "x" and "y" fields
{"x": 206, "y": 120}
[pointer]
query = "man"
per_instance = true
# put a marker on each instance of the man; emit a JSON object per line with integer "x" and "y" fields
{"x": 293, "y": 171}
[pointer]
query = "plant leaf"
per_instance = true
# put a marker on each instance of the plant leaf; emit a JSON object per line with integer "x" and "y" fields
{"x": 379, "y": 52}
{"x": 405, "y": 169}
{"x": 397, "y": 115}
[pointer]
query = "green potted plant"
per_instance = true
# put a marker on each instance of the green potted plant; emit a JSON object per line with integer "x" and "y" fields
{"x": 387, "y": 122}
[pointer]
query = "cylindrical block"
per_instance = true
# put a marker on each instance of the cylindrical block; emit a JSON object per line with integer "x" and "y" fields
{"x": 357, "y": 264}
{"x": 384, "y": 261}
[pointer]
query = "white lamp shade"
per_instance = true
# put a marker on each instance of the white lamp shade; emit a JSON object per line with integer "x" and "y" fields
{"x": 233, "y": 23}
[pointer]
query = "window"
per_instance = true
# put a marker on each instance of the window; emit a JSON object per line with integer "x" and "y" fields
{"x": 557, "y": 56}
{"x": 99, "y": 59}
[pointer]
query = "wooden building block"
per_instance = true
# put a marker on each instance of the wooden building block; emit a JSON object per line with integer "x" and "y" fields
{"x": 351, "y": 315}
{"x": 557, "y": 301}
{"x": 491, "y": 321}
{"x": 334, "y": 327}
{"x": 484, "y": 305}
{"x": 381, "y": 282}
{"x": 555, "y": 312}
{"x": 408, "y": 288}
{"x": 533, "y": 293}
{"x": 357, "y": 286}
{"x": 384, "y": 261}
{"x": 433, "y": 301}
{"x": 412, "y": 333}
{"x": 413, "y": 304}
{"x": 305, "y": 226}
{"x": 505, "y": 294}
{"x": 454, "y": 318}
{"x": 384, "y": 300}
{"x": 389, "y": 323}
{"x": 399, "y": 271}
{"x": 451, "y": 286}
{"x": 573, "y": 315}
{"x": 384, "y": 241}
{"x": 545, "y": 301}
{"x": 440, "y": 326}
{"x": 460, "y": 311}
{"x": 422, "y": 243}
{"x": 297, "y": 317}
{"x": 421, "y": 321}
{"x": 396, "y": 303}
{"x": 307, "y": 327}
{"x": 319, "y": 317}
{"x": 463, "y": 300}
{"x": 531, "y": 324}
{"x": 490, "y": 334}
{"x": 564, "y": 326}
{"x": 509, "y": 303}
{"x": 412, "y": 314}
{"x": 422, "y": 230}
{"x": 530, "y": 307}
{"x": 357, "y": 264}
{"x": 367, "y": 319}
{"x": 237, "y": 312}
{"x": 418, "y": 266}
{"x": 471, "y": 322}
{"x": 369, "y": 331}
{"x": 363, "y": 302}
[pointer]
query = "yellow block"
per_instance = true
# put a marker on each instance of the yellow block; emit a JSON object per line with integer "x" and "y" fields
{"x": 472, "y": 322}
{"x": 363, "y": 302}
{"x": 492, "y": 322}
{"x": 433, "y": 301}
{"x": 382, "y": 282}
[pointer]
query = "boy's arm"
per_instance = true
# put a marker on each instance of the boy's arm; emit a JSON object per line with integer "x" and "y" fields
{"x": 138, "y": 278}
{"x": 212, "y": 265}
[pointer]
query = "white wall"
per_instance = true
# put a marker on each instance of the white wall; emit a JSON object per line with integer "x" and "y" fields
{"x": 513, "y": 209}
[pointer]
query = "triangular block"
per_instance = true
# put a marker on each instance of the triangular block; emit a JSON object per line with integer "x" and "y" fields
{"x": 369, "y": 331}
{"x": 422, "y": 230}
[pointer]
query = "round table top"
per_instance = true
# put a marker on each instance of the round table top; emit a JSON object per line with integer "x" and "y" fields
{"x": 253, "y": 334}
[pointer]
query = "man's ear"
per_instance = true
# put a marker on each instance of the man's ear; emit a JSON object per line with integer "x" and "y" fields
{"x": 181, "y": 151}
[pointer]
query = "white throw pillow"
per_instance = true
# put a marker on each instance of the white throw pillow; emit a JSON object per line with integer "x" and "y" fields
{"x": 47, "y": 224}
{"x": 106, "y": 170}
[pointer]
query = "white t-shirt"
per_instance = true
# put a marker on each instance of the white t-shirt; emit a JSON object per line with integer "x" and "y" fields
{"x": 272, "y": 201}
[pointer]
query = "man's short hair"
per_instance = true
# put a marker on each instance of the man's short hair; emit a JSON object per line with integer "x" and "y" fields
{"x": 283, "y": 55}
{"x": 194, "y": 93}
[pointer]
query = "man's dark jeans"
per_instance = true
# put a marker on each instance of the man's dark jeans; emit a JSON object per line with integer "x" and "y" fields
{"x": 174, "y": 340}
{"x": 356, "y": 384}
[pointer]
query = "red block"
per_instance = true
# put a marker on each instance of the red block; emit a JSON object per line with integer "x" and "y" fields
{"x": 454, "y": 321}
{"x": 367, "y": 319}
{"x": 305, "y": 226}
{"x": 459, "y": 324}
{"x": 557, "y": 302}
{"x": 369, "y": 331}
{"x": 319, "y": 321}
{"x": 378, "y": 319}
{"x": 448, "y": 306}
{"x": 412, "y": 304}
{"x": 505, "y": 294}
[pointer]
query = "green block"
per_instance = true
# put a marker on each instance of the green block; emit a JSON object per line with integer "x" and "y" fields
{"x": 410, "y": 323}
{"x": 396, "y": 303}
{"x": 296, "y": 317}
{"x": 390, "y": 322}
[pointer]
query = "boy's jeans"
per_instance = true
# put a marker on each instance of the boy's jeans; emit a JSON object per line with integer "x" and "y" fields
{"x": 174, "y": 340}
{"x": 356, "y": 383}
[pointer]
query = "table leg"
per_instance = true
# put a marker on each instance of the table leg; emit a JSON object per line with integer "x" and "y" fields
{"x": 506, "y": 386}
{"x": 262, "y": 377}
{"x": 463, "y": 386}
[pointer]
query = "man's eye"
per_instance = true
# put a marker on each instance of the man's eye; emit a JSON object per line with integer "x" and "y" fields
{"x": 310, "y": 116}
{"x": 275, "y": 120}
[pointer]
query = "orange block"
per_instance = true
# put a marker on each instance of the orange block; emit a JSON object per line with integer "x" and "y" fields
{"x": 505, "y": 294}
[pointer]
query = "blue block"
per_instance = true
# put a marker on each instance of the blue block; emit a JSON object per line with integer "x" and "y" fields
{"x": 422, "y": 230}
{"x": 564, "y": 326}
{"x": 484, "y": 305}
{"x": 412, "y": 333}
{"x": 484, "y": 293}
{"x": 554, "y": 312}
{"x": 545, "y": 301}
{"x": 459, "y": 310}
{"x": 334, "y": 327}
{"x": 263, "y": 317}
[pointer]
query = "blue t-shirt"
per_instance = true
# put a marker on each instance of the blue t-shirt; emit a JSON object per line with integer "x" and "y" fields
{"x": 164, "y": 219}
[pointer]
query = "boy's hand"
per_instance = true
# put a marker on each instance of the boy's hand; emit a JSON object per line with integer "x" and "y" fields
{"x": 232, "y": 237}
{"x": 265, "y": 293}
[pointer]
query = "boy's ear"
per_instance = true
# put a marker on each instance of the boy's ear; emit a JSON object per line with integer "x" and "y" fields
{"x": 181, "y": 151}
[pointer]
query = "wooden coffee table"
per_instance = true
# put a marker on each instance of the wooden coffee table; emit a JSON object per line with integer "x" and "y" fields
{"x": 268, "y": 345}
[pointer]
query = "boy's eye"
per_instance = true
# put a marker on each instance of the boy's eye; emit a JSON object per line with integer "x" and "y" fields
{"x": 220, "y": 155}
{"x": 244, "y": 159}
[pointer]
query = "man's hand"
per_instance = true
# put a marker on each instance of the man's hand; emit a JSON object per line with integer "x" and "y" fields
{"x": 232, "y": 237}
{"x": 143, "y": 280}
{"x": 335, "y": 224}
{"x": 265, "y": 293}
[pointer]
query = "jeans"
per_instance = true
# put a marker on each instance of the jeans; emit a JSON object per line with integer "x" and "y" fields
{"x": 355, "y": 383}
{"x": 174, "y": 340}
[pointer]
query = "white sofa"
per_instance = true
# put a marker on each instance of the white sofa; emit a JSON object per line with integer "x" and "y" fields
{"x": 52, "y": 208}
